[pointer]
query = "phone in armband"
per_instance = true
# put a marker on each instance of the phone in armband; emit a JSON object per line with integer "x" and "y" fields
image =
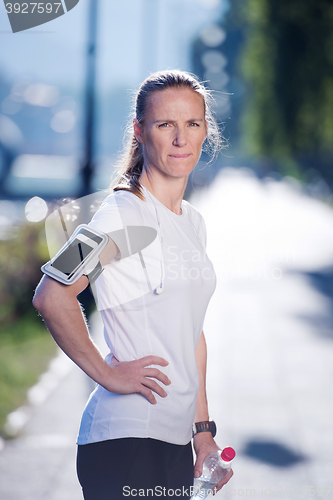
{"x": 80, "y": 255}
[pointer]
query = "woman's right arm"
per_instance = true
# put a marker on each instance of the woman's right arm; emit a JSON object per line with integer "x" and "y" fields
{"x": 62, "y": 314}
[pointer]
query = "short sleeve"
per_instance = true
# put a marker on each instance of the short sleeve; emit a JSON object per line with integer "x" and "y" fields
{"x": 117, "y": 211}
{"x": 122, "y": 280}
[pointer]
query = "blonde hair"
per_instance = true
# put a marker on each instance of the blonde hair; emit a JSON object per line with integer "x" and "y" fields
{"x": 131, "y": 162}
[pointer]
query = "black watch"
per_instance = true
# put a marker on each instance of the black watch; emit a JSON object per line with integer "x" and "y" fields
{"x": 207, "y": 426}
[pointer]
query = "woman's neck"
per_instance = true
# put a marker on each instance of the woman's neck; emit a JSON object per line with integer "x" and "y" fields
{"x": 169, "y": 192}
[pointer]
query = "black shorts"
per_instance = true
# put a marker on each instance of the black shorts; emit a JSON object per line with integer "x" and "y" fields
{"x": 119, "y": 468}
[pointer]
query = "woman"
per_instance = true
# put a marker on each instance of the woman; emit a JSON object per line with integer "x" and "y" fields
{"x": 136, "y": 429}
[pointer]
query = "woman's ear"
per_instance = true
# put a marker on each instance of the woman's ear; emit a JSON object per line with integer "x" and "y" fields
{"x": 137, "y": 127}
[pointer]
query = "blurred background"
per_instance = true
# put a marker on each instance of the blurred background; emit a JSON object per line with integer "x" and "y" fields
{"x": 66, "y": 91}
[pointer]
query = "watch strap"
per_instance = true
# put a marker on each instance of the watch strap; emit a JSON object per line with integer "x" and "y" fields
{"x": 205, "y": 426}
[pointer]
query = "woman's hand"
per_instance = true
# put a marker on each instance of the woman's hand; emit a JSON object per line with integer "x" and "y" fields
{"x": 204, "y": 445}
{"x": 58, "y": 305}
{"x": 136, "y": 376}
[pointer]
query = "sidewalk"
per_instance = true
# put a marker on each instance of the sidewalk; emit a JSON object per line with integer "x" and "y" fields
{"x": 269, "y": 330}
{"x": 41, "y": 463}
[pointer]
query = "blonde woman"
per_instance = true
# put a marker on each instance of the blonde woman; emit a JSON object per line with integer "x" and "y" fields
{"x": 137, "y": 427}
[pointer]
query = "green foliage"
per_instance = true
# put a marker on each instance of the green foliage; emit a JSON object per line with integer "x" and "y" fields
{"x": 25, "y": 345}
{"x": 286, "y": 62}
{"x": 21, "y": 257}
{"x": 25, "y": 351}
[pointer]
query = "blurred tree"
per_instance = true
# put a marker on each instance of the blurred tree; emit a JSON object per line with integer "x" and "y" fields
{"x": 23, "y": 250}
{"x": 232, "y": 87}
{"x": 21, "y": 255}
{"x": 286, "y": 62}
{"x": 209, "y": 63}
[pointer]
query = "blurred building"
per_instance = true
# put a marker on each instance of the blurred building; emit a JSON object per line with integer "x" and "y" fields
{"x": 42, "y": 90}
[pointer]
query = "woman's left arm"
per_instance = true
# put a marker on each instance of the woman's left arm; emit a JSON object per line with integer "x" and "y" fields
{"x": 203, "y": 442}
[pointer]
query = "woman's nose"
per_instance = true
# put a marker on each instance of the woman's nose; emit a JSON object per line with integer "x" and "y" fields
{"x": 180, "y": 138}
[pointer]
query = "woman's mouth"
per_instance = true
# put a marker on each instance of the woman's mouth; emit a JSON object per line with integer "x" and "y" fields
{"x": 180, "y": 156}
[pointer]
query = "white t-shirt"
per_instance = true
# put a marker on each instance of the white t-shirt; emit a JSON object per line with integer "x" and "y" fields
{"x": 139, "y": 322}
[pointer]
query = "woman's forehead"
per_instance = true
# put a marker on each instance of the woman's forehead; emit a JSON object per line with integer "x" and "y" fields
{"x": 175, "y": 100}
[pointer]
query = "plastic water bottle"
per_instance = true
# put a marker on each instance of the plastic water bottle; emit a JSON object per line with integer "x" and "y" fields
{"x": 215, "y": 467}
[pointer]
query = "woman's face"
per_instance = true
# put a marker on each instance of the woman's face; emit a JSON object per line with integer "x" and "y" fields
{"x": 173, "y": 132}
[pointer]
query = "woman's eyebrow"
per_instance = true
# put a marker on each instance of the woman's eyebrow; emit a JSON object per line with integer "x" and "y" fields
{"x": 168, "y": 120}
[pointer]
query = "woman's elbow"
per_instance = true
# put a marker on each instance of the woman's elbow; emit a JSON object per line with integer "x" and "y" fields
{"x": 43, "y": 295}
{"x": 51, "y": 295}
{"x": 39, "y": 301}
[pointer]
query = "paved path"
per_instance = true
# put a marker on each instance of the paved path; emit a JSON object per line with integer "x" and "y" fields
{"x": 269, "y": 329}
{"x": 40, "y": 464}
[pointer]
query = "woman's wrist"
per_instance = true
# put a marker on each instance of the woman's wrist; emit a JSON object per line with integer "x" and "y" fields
{"x": 107, "y": 377}
{"x": 203, "y": 437}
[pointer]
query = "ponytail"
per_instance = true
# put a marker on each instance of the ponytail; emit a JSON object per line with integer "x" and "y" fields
{"x": 130, "y": 168}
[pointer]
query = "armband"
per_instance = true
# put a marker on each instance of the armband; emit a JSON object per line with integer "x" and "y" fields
{"x": 79, "y": 256}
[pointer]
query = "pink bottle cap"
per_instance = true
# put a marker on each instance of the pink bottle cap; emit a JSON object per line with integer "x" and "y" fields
{"x": 228, "y": 454}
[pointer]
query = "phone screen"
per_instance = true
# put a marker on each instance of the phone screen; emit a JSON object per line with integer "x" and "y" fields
{"x": 72, "y": 257}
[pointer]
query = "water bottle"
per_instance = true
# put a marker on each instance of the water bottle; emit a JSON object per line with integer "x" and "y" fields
{"x": 215, "y": 467}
